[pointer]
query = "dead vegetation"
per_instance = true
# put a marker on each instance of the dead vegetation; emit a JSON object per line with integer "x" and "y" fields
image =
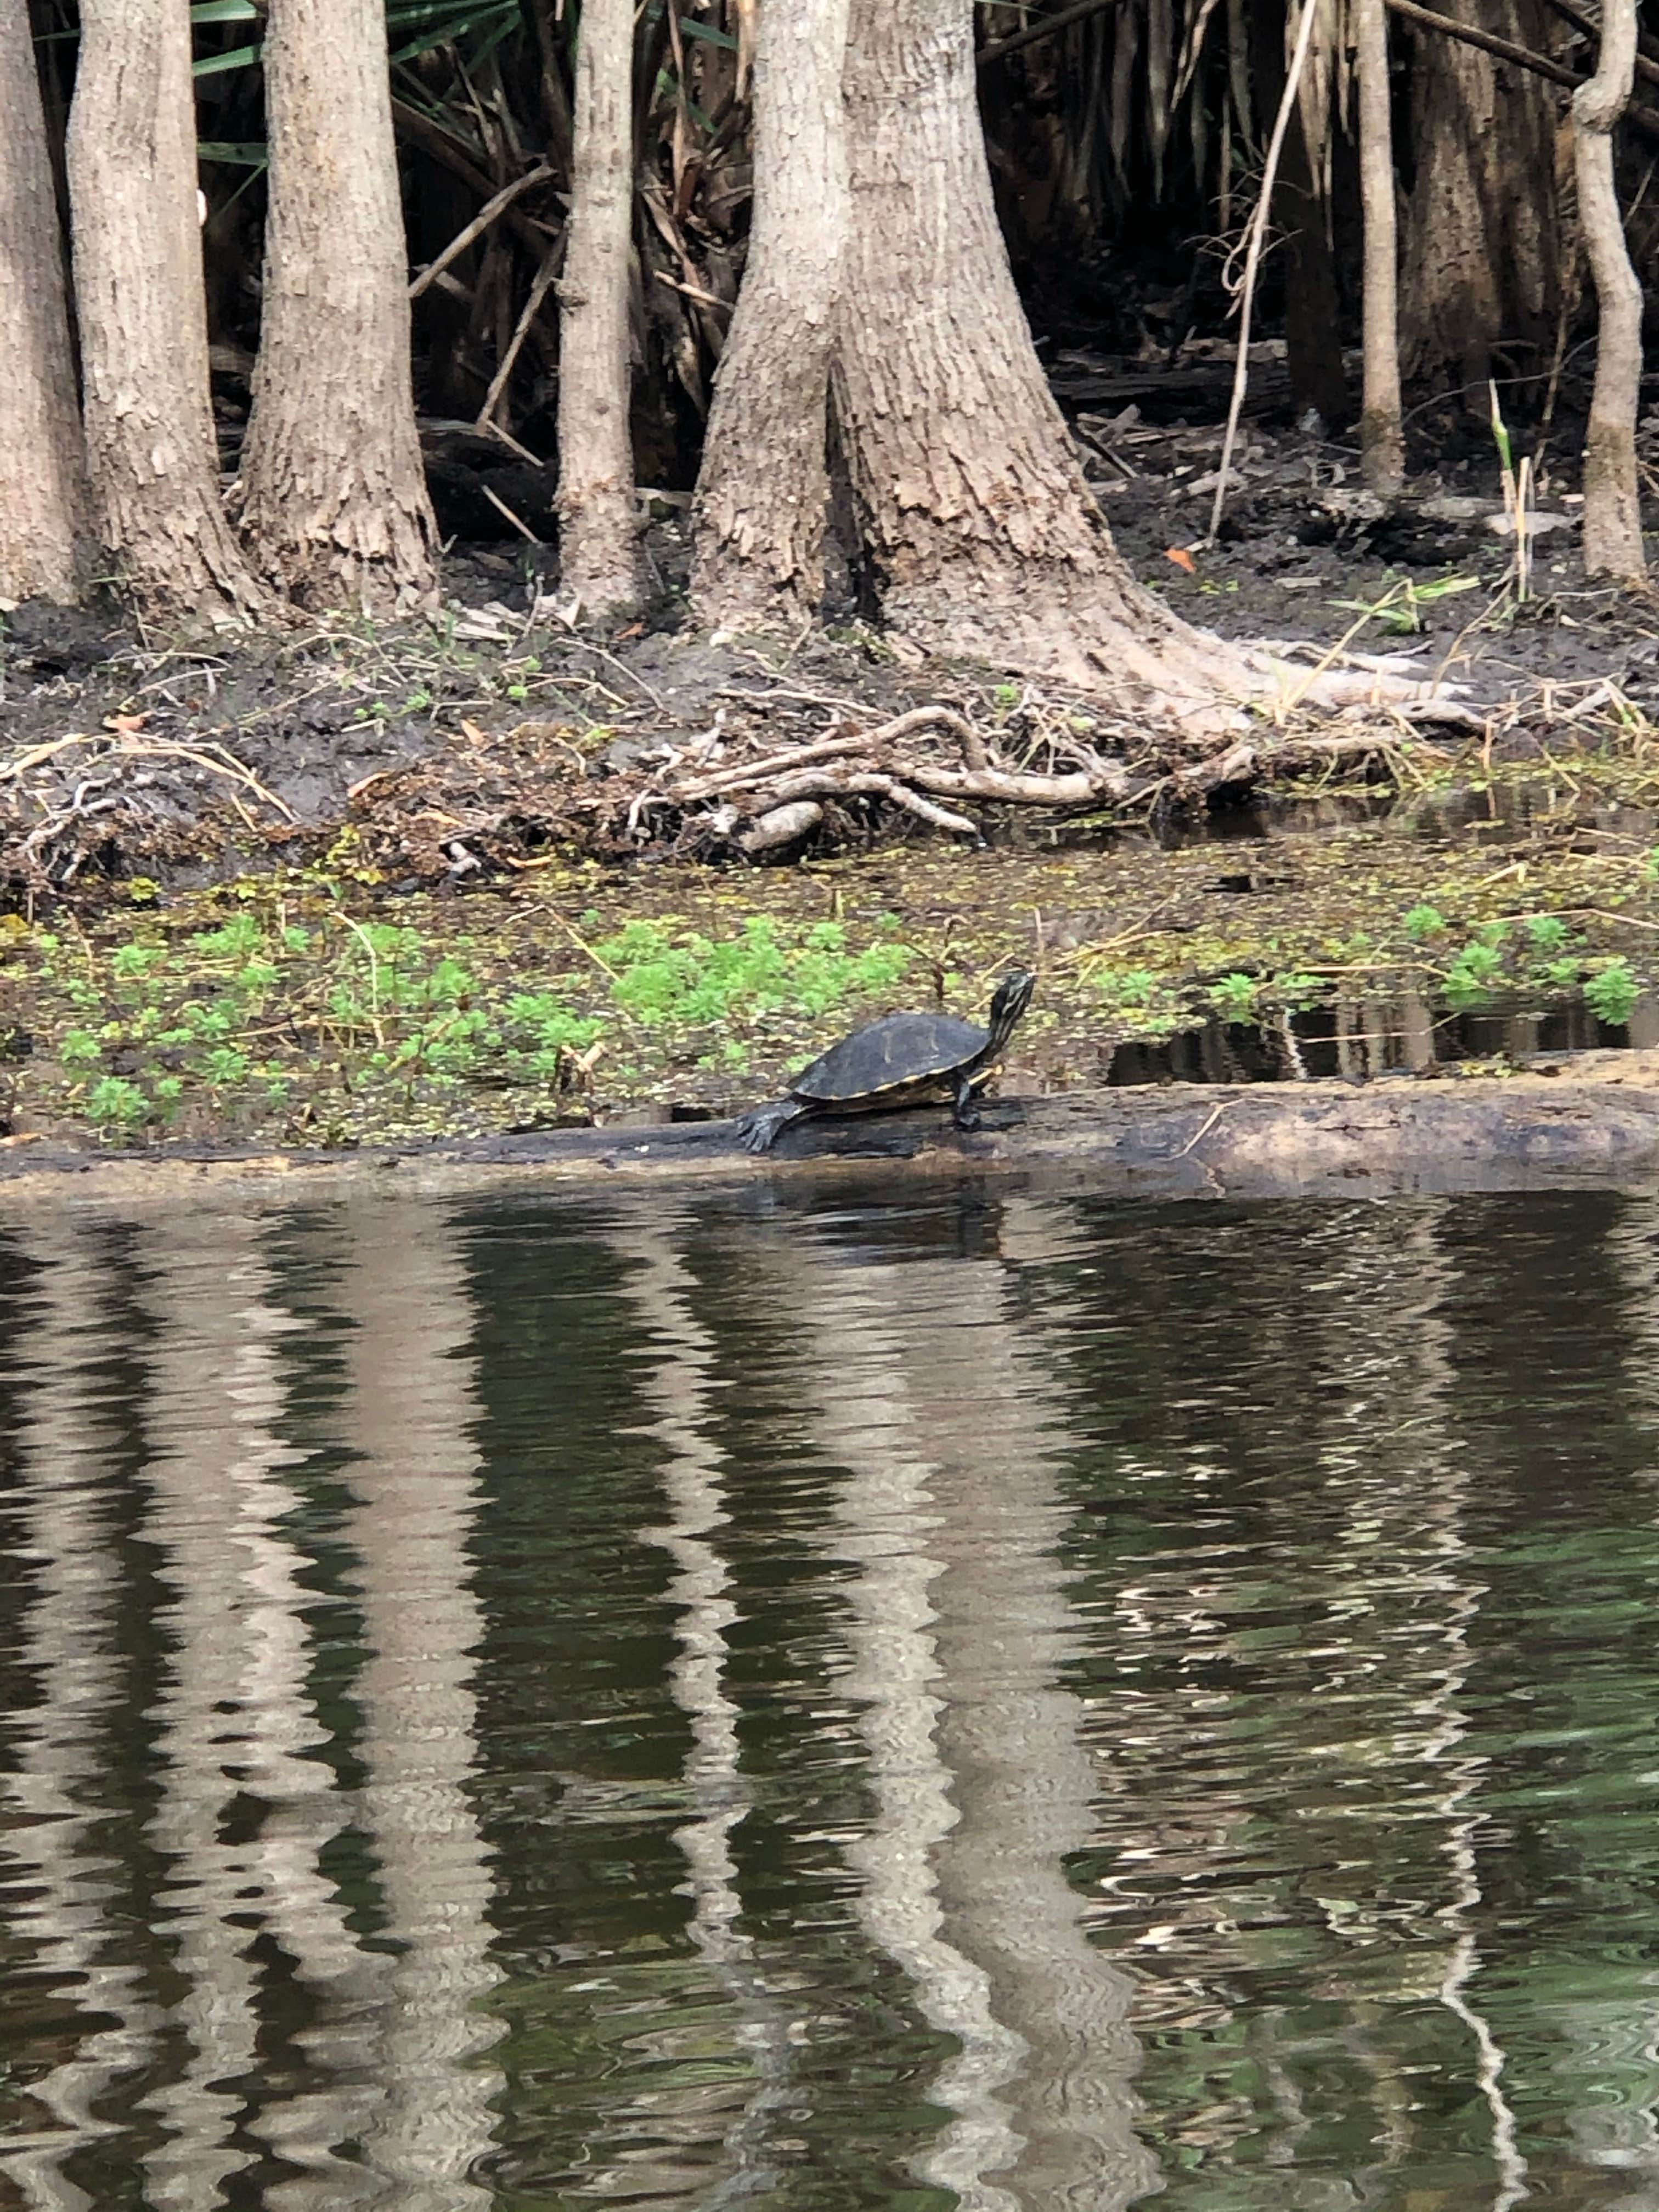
{"x": 771, "y": 768}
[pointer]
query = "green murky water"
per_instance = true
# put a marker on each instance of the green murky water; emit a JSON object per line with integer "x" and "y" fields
{"x": 982, "y": 1701}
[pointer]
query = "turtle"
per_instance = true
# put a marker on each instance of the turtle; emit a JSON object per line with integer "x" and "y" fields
{"x": 902, "y": 1060}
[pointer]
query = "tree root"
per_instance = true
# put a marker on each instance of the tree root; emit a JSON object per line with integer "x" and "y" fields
{"x": 764, "y": 804}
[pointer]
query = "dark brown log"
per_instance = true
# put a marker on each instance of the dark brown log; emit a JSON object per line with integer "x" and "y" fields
{"x": 1593, "y": 1122}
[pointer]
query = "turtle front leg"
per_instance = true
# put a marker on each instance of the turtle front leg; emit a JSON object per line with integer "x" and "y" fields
{"x": 966, "y": 1113}
{"x": 758, "y": 1130}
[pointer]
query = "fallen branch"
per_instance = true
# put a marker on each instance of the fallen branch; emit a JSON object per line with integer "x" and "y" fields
{"x": 943, "y": 718}
{"x": 783, "y": 826}
{"x": 760, "y": 771}
{"x": 1250, "y": 763}
{"x": 1010, "y": 787}
{"x": 441, "y": 146}
{"x": 474, "y": 230}
{"x": 888, "y": 786}
{"x": 546, "y": 277}
{"x": 127, "y": 747}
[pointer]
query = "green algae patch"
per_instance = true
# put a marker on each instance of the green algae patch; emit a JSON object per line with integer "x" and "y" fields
{"x": 314, "y": 1008}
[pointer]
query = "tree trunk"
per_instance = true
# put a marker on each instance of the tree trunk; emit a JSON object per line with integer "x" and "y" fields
{"x": 1613, "y": 510}
{"x": 598, "y": 523}
{"x": 974, "y": 515}
{"x": 42, "y": 458}
{"x": 1313, "y": 325}
{"x": 1480, "y": 263}
{"x": 1381, "y": 438}
{"x": 152, "y": 456}
{"x": 763, "y": 490}
{"x": 334, "y": 505}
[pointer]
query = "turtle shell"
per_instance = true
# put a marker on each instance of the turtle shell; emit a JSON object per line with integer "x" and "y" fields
{"x": 891, "y": 1054}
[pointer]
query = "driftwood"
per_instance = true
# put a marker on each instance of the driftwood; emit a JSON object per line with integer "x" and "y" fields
{"x": 764, "y": 804}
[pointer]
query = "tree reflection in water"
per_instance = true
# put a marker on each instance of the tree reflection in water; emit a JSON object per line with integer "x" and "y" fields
{"x": 923, "y": 1390}
{"x": 1008, "y": 1703}
{"x": 59, "y": 1871}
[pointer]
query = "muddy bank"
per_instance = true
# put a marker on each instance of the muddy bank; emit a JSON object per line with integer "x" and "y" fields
{"x": 1589, "y": 1120}
{"x": 358, "y": 887}
{"x": 467, "y": 751}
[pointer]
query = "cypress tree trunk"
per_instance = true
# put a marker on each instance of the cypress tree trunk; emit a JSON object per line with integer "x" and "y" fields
{"x": 42, "y": 458}
{"x": 1313, "y": 332}
{"x": 1612, "y": 505}
{"x": 152, "y": 456}
{"x": 970, "y": 498}
{"x": 598, "y": 521}
{"x": 763, "y": 489}
{"x": 1480, "y": 263}
{"x": 333, "y": 497}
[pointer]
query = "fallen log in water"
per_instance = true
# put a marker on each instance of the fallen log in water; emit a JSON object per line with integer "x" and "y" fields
{"x": 1589, "y": 1120}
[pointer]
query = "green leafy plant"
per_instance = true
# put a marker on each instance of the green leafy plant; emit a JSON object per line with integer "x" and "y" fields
{"x": 1235, "y": 997}
{"x": 1296, "y": 993}
{"x": 130, "y": 961}
{"x": 1611, "y": 992}
{"x": 1547, "y": 933}
{"x": 223, "y": 1065}
{"x": 79, "y": 1049}
{"x": 116, "y": 1106}
{"x": 1128, "y": 986}
{"x": 691, "y": 981}
{"x": 1468, "y": 981}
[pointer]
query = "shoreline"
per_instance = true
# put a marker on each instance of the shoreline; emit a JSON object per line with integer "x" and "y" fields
{"x": 1588, "y": 1120}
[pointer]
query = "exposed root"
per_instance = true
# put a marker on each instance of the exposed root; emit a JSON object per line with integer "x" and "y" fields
{"x": 1108, "y": 637}
{"x": 765, "y": 804}
{"x": 739, "y": 762}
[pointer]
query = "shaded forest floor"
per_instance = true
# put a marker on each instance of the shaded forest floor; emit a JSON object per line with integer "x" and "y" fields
{"x": 360, "y": 884}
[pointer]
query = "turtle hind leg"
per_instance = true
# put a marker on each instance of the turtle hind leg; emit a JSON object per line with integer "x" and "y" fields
{"x": 758, "y": 1130}
{"x": 964, "y": 1112}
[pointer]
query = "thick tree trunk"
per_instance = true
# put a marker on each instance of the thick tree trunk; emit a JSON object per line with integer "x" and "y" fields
{"x": 970, "y": 497}
{"x": 764, "y": 491}
{"x": 1613, "y": 509}
{"x": 152, "y": 456}
{"x": 42, "y": 458}
{"x": 334, "y": 505}
{"x": 1480, "y": 264}
{"x": 1313, "y": 329}
{"x": 598, "y": 524}
{"x": 1381, "y": 439}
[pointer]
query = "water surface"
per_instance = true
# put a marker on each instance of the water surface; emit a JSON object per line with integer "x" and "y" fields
{"x": 967, "y": 1700}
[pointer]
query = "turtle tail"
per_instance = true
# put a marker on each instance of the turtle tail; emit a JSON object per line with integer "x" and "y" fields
{"x": 757, "y": 1130}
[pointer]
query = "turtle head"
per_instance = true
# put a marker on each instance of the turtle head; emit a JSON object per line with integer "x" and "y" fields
{"x": 1013, "y": 996}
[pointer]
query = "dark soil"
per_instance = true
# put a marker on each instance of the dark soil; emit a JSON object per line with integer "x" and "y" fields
{"x": 482, "y": 744}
